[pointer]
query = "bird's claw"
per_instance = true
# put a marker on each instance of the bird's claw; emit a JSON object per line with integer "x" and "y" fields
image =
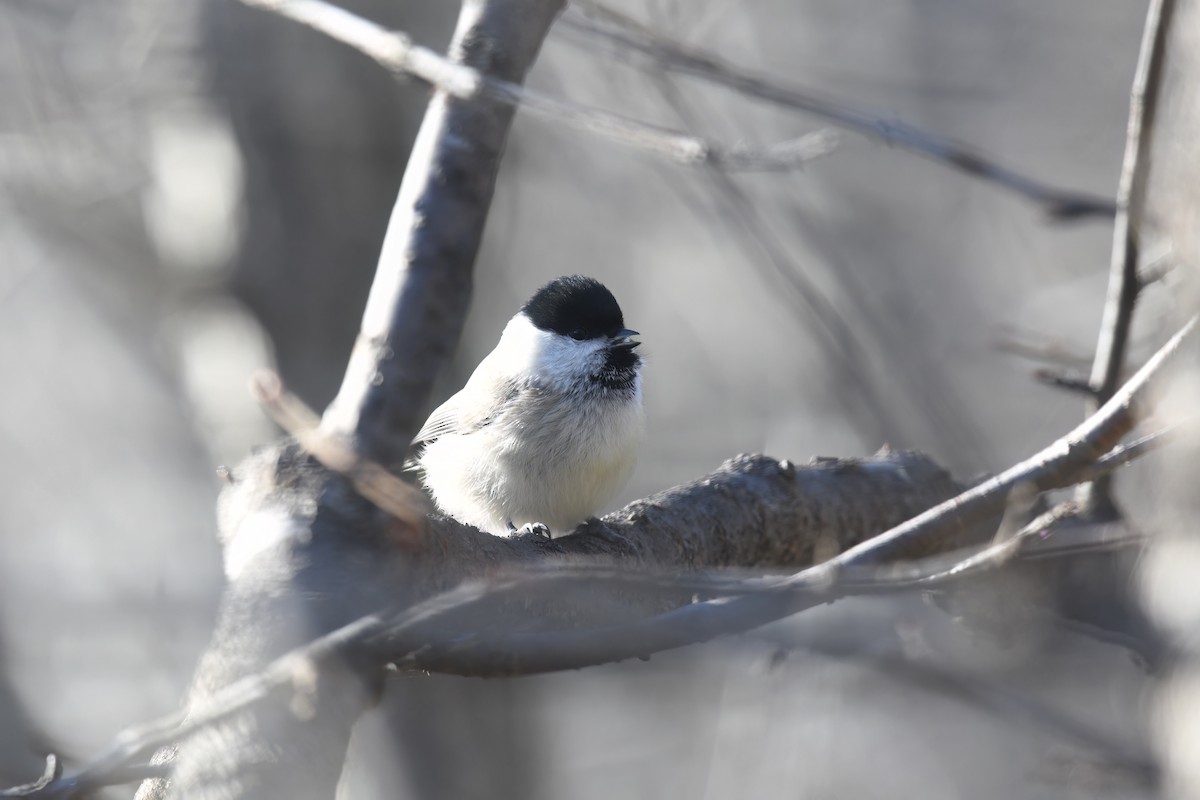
{"x": 530, "y": 529}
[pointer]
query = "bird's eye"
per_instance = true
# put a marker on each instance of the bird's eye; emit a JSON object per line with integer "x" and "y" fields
{"x": 578, "y": 333}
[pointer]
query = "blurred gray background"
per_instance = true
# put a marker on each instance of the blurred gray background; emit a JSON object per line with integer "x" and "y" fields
{"x": 190, "y": 190}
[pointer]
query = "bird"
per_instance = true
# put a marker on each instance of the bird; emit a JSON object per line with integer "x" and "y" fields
{"x": 547, "y": 428}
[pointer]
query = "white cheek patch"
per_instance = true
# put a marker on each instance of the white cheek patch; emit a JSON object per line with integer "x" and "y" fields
{"x": 258, "y": 533}
{"x": 557, "y": 360}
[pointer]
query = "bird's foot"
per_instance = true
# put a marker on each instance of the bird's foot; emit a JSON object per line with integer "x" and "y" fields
{"x": 529, "y": 529}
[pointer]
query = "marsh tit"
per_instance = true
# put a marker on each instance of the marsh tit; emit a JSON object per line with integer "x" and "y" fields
{"x": 547, "y": 429}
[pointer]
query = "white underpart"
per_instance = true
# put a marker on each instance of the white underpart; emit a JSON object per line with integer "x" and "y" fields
{"x": 556, "y": 456}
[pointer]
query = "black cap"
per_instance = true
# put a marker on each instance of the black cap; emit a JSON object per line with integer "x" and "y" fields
{"x": 575, "y": 306}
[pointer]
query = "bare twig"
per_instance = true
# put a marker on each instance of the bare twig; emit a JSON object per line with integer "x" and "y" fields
{"x": 1040, "y": 347}
{"x": 596, "y": 21}
{"x": 1065, "y": 381}
{"x": 1128, "y": 453}
{"x": 1056, "y": 466}
{"x": 1123, "y": 281}
{"x": 1156, "y": 270}
{"x": 398, "y": 53}
{"x": 401, "y": 500}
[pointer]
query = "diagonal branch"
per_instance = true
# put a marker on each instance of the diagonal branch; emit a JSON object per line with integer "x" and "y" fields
{"x": 597, "y": 22}
{"x": 1060, "y": 465}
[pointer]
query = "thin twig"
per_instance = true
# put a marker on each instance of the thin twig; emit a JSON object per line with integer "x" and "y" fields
{"x": 1058, "y": 379}
{"x": 1157, "y": 269}
{"x": 628, "y": 35}
{"x": 1128, "y": 453}
{"x": 1055, "y": 467}
{"x": 1123, "y": 281}
{"x": 1040, "y": 347}
{"x": 371, "y": 480}
{"x": 396, "y": 52}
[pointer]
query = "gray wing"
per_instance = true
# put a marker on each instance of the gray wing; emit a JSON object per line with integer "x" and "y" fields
{"x": 443, "y": 420}
{"x": 461, "y": 415}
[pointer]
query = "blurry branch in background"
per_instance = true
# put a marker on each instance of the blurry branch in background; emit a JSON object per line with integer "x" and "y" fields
{"x": 591, "y": 21}
{"x": 1124, "y": 284}
{"x": 1040, "y": 347}
{"x": 1058, "y": 466}
{"x": 768, "y": 253}
{"x": 1131, "y": 763}
{"x": 1066, "y": 381}
{"x": 399, "y": 54}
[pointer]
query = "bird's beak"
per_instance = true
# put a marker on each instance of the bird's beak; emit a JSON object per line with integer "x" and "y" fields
{"x": 624, "y": 339}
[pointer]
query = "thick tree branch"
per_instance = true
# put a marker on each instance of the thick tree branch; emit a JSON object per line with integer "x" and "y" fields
{"x": 598, "y": 22}
{"x": 422, "y": 286}
{"x": 1123, "y": 280}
